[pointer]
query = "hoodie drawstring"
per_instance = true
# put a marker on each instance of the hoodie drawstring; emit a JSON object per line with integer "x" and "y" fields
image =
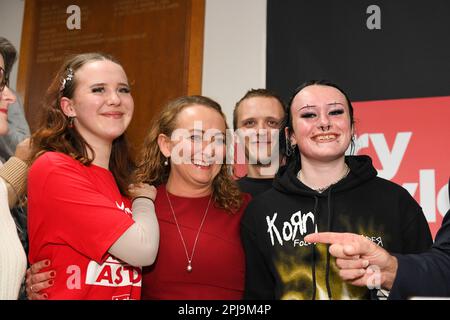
{"x": 330, "y": 217}
{"x": 313, "y": 262}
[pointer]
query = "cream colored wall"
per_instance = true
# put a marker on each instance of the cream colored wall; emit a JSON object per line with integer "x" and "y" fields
{"x": 234, "y": 50}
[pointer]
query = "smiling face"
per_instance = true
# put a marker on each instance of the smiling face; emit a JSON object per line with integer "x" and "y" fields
{"x": 258, "y": 121}
{"x": 6, "y": 98}
{"x": 321, "y": 123}
{"x": 196, "y": 148}
{"x": 102, "y": 104}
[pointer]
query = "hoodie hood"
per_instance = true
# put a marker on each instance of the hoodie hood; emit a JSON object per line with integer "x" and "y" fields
{"x": 361, "y": 170}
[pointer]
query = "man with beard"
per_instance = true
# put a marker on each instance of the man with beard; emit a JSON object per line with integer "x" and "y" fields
{"x": 257, "y": 118}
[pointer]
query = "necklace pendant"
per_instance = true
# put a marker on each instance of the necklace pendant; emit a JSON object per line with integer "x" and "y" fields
{"x": 189, "y": 268}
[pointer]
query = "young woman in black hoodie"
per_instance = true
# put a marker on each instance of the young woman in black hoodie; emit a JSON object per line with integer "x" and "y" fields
{"x": 321, "y": 189}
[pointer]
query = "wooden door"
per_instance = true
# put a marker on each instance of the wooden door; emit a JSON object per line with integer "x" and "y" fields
{"x": 159, "y": 43}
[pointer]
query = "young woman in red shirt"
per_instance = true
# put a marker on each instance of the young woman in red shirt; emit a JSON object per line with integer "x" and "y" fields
{"x": 79, "y": 192}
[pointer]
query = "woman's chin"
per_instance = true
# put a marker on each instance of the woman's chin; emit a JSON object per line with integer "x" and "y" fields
{"x": 327, "y": 156}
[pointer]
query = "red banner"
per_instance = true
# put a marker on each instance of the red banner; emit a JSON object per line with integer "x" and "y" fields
{"x": 409, "y": 143}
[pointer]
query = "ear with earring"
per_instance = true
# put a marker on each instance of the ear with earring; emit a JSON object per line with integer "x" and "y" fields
{"x": 70, "y": 122}
{"x": 352, "y": 145}
{"x": 290, "y": 149}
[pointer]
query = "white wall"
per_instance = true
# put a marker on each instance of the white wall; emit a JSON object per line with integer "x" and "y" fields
{"x": 234, "y": 50}
{"x": 11, "y": 19}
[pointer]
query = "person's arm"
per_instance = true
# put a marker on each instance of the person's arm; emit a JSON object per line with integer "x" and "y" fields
{"x": 138, "y": 245}
{"x": 259, "y": 282}
{"x": 14, "y": 173}
{"x": 426, "y": 274}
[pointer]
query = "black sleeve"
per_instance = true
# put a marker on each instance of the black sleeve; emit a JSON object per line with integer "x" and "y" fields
{"x": 426, "y": 274}
{"x": 416, "y": 235}
{"x": 259, "y": 283}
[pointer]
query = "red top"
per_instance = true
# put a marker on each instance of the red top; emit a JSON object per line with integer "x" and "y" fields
{"x": 218, "y": 264}
{"x": 75, "y": 214}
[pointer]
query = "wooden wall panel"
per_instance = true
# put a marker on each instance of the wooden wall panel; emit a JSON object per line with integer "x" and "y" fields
{"x": 159, "y": 43}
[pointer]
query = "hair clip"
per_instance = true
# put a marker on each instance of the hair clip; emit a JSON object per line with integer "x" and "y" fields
{"x": 69, "y": 77}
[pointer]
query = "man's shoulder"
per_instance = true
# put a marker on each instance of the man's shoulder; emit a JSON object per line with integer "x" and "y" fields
{"x": 267, "y": 199}
{"x": 254, "y": 186}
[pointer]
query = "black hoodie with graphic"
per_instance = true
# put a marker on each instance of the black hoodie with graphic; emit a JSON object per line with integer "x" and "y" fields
{"x": 281, "y": 265}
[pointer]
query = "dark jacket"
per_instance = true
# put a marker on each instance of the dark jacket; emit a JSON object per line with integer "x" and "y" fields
{"x": 280, "y": 265}
{"x": 425, "y": 274}
{"x": 254, "y": 186}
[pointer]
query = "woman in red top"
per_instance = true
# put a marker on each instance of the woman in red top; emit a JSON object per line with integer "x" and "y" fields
{"x": 198, "y": 205}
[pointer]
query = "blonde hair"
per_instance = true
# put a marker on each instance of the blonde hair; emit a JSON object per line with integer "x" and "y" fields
{"x": 151, "y": 168}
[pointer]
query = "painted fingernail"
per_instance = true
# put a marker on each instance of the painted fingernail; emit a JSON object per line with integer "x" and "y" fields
{"x": 51, "y": 282}
{"x": 45, "y": 296}
{"x": 52, "y": 274}
{"x": 47, "y": 263}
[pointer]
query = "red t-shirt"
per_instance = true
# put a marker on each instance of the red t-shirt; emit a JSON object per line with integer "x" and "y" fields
{"x": 75, "y": 214}
{"x": 218, "y": 264}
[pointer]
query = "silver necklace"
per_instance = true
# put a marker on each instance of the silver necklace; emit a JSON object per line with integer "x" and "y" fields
{"x": 189, "y": 259}
{"x": 322, "y": 189}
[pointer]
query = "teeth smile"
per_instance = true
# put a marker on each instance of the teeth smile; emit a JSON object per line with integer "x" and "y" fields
{"x": 326, "y": 138}
{"x": 202, "y": 164}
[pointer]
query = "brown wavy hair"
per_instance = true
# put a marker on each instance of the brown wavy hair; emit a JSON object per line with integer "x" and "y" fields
{"x": 55, "y": 134}
{"x": 151, "y": 168}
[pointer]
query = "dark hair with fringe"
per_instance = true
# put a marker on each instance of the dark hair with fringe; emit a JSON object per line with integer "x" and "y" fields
{"x": 287, "y": 122}
{"x": 9, "y": 54}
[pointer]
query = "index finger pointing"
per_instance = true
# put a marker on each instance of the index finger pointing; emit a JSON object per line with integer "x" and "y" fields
{"x": 329, "y": 237}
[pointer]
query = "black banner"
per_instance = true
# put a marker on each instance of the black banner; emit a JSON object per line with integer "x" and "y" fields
{"x": 408, "y": 57}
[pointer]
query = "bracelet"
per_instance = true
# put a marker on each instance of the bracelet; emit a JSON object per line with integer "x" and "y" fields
{"x": 143, "y": 197}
